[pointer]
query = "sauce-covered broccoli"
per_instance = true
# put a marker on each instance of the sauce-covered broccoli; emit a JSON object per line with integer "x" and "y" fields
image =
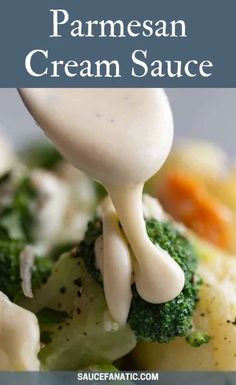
{"x": 150, "y": 322}
{"x": 76, "y": 330}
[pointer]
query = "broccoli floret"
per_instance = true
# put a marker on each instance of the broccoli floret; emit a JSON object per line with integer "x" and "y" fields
{"x": 61, "y": 248}
{"x": 5, "y": 177}
{"x": 10, "y": 281}
{"x": 166, "y": 321}
{"x": 17, "y": 195}
{"x": 42, "y": 155}
{"x": 71, "y": 306}
{"x": 100, "y": 191}
{"x": 150, "y": 322}
{"x": 197, "y": 339}
{"x": 41, "y": 271}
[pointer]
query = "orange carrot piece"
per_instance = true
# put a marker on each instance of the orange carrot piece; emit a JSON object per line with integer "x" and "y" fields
{"x": 188, "y": 201}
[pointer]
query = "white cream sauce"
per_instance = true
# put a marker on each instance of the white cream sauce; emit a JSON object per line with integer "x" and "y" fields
{"x": 120, "y": 137}
{"x": 26, "y": 268}
{"x": 48, "y": 208}
{"x": 19, "y": 337}
{"x": 116, "y": 265}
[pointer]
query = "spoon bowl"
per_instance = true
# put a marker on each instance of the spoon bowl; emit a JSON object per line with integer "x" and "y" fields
{"x": 117, "y": 136}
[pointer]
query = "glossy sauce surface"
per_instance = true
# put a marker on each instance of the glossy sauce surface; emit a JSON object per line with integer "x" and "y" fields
{"x": 120, "y": 137}
{"x": 19, "y": 337}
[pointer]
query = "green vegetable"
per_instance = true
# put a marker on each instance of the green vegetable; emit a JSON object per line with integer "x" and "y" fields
{"x": 100, "y": 191}
{"x": 5, "y": 177}
{"x": 3, "y": 233}
{"x": 10, "y": 281}
{"x": 46, "y": 337}
{"x": 197, "y": 339}
{"x": 71, "y": 306}
{"x": 51, "y": 316}
{"x": 16, "y": 217}
{"x": 41, "y": 271}
{"x": 80, "y": 339}
{"x": 102, "y": 368}
{"x": 42, "y": 155}
{"x": 60, "y": 249}
{"x": 24, "y": 196}
{"x": 163, "y": 322}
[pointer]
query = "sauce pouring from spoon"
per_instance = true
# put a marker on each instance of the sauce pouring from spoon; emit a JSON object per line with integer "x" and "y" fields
{"x": 120, "y": 137}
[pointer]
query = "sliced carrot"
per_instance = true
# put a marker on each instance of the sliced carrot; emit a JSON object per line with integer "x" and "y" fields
{"x": 188, "y": 201}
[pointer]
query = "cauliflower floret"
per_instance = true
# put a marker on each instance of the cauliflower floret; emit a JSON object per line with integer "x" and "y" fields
{"x": 49, "y": 208}
{"x": 7, "y": 156}
{"x": 19, "y": 337}
{"x": 82, "y": 200}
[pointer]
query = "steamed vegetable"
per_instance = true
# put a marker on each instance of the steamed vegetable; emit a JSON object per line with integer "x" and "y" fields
{"x": 186, "y": 198}
{"x": 214, "y": 317}
{"x": 10, "y": 280}
{"x": 19, "y": 342}
{"x": 195, "y": 331}
{"x": 150, "y": 322}
{"x": 204, "y": 197}
{"x": 46, "y": 209}
{"x": 75, "y": 324}
{"x": 76, "y": 329}
{"x": 16, "y": 197}
{"x": 42, "y": 155}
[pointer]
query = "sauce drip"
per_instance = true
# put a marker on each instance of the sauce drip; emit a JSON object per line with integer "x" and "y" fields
{"x": 116, "y": 265}
{"x": 120, "y": 137}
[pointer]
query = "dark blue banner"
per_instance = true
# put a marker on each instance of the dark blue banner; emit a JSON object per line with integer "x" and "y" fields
{"x": 104, "y": 43}
{"x": 128, "y": 378}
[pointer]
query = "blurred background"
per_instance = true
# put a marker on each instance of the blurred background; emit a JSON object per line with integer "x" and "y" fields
{"x": 200, "y": 113}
